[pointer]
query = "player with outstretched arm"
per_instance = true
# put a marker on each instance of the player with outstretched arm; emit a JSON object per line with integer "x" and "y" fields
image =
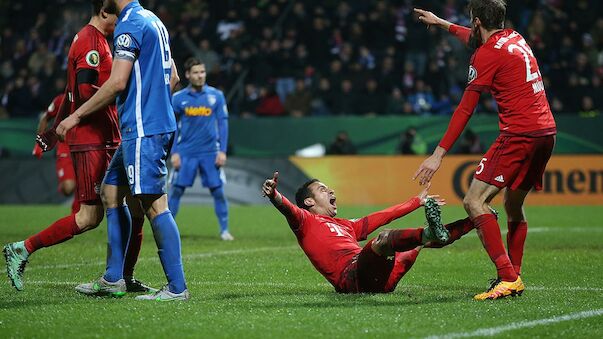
{"x": 142, "y": 78}
{"x": 504, "y": 65}
{"x": 331, "y": 243}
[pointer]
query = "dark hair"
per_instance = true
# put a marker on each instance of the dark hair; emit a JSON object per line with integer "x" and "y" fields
{"x": 491, "y": 13}
{"x": 190, "y": 62}
{"x": 97, "y": 5}
{"x": 304, "y": 192}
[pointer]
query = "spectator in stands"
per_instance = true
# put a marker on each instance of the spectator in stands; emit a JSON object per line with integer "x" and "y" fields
{"x": 395, "y": 103}
{"x": 345, "y": 99}
{"x": 411, "y": 143}
{"x": 298, "y": 103}
{"x": 421, "y": 99}
{"x": 322, "y": 98}
{"x": 371, "y": 102}
{"x": 342, "y": 145}
{"x": 470, "y": 144}
{"x": 270, "y": 105}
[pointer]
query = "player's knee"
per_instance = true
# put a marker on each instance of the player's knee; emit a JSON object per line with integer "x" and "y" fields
{"x": 67, "y": 187}
{"x": 471, "y": 204}
{"x": 218, "y": 193}
{"x": 381, "y": 245}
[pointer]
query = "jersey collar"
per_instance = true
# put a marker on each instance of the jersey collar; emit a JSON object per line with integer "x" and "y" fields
{"x": 193, "y": 92}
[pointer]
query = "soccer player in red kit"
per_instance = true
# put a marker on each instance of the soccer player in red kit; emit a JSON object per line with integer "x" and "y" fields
{"x": 332, "y": 246}
{"x": 92, "y": 144}
{"x": 504, "y": 65}
{"x": 64, "y": 165}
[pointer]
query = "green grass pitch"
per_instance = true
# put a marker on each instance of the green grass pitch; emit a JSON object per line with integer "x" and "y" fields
{"x": 261, "y": 285}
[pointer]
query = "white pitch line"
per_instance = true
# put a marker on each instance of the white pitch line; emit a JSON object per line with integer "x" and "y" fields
{"x": 184, "y": 257}
{"x": 491, "y": 331}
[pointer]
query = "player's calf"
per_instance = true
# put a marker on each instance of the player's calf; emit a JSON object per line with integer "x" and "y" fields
{"x": 89, "y": 217}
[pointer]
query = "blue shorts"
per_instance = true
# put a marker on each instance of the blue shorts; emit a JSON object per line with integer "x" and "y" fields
{"x": 141, "y": 164}
{"x": 212, "y": 176}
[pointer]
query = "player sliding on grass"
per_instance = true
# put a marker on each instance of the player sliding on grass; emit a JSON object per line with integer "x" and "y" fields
{"x": 504, "y": 65}
{"x": 332, "y": 246}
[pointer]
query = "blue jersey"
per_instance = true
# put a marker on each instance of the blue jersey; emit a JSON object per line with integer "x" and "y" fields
{"x": 203, "y": 121}
{"x": 144, "y": 106}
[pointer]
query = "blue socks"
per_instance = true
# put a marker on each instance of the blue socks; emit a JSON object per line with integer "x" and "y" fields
{"x": 221, "y": 207}
{"x": 167, "y": 239}
{"x": 174, "y": 196}
{"x": 119, "y": 227}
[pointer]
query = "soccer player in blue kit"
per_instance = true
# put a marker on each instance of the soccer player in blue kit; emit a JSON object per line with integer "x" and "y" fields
{"x": 142, "y": 78}
{"x": 201, "y": 142}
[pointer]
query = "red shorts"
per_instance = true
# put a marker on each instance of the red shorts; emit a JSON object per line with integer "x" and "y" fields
{"x": 369, "y": 272}
{"x": 90, "y": 167}
{"x": 63, "y": 164}
{"x": 516, "y": 162}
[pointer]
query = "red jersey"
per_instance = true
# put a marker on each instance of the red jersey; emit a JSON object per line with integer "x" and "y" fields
{"x": 51, "y": 111}
{"x": 331, "y": 243}
{"x": 90, "y": 58}
{"x": 506, "y": 67}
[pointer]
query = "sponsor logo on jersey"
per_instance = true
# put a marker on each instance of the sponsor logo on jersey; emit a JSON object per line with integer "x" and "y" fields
{"x": 201, "y": 111}
{"x": 124, "y": 41}
{"x": 500, "y": 178}
{"x": 93, "y": 58}
{"x": 472, "y": 74}
{"x": 211, "y": 99}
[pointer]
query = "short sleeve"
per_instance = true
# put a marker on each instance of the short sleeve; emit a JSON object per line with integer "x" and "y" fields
{"x": 127, "y": 42}
{"x": 482, "y": 69}
{"x": 87, "y": 55}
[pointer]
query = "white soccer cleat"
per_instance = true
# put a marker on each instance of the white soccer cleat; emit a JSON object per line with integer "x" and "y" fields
{"x": 102, "y": 287}
{"x": 164, "y": 294}
{"x": 226, "y": 236}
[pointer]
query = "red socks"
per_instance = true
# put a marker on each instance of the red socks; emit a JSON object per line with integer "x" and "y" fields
{"x": 457, "y": 229}
{"x": 133, "y": 246}
{"x": 489, "y": 233}
{"x": 75, "y": 206}
{"x": 516, "y": 238}
{"x": 62, "y": 230}
{"x": 405, "y": 239}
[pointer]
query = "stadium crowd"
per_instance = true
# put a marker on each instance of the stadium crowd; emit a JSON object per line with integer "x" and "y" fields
{"x": 316, "y": 58}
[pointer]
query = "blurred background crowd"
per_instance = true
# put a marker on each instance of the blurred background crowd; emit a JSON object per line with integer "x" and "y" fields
{"x": 316, "y": 58}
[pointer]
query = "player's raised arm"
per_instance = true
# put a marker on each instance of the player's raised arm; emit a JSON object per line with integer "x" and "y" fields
{"x": 117, "y": 82}
{"x": 428, "y": 18}
{"x": 294, "y": 214}
{"x": 457, "y": 124}
{"x": 373, "y": 221}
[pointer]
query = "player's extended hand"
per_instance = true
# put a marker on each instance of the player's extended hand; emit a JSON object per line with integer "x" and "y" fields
{"x": 428, "y": 169}
{"x": 68, "y": 123}
{"x": 425, "y": 194}
{"x": 47, "y": 140}
{"x": 269, "y": 186}
{"x": 176, "y": 161}
{"x": 427, "y": 17}
{"x": 221, "y": 159}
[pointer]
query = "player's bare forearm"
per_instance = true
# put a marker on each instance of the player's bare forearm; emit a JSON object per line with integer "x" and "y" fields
{"x": 277, "y": 200}
{"x": 43, "y": 123}
{"x": 106, "y": 95}
{"x": 174, "y": 78}
{"x": 430, "y": 19}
